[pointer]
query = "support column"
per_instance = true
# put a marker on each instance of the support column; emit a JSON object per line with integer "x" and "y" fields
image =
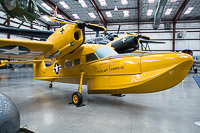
{"x": 8, "y": 23}
{"x": 138, "y": 5}
{"x": 31, "y": 28}
{"x": 174, "y": 36}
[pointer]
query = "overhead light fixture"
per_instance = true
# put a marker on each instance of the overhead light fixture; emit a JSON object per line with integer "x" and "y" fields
{"x": 151, "y": 1}
{"x": 103, "y": 2}
{"x": 189, "y": 10}
{"x": 115, "y": 9}
{"x": 64, "y": 4}
{"x": 124, "y": 2}
{"x": 149, "y": 12}
{"x": 108, "y": 14}
{"x": 46, "y": 6}
{"x": 169, "y": 10}
{"x": 92, "y": 15}
{"x": 83, "y": 4}
{"x": 76, "y": 16}
{"x": 47, "y": 18}
{"x": 173, "y": 0}
{"x": 126, "y": 13}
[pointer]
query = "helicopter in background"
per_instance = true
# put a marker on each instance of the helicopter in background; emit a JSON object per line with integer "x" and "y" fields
{"x": 23, "y": 10}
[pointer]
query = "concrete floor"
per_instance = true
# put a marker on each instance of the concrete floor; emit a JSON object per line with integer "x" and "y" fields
{"x": 47, "y": 110}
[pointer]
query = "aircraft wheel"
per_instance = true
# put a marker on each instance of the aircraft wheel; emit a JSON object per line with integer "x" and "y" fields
{"x": 50, "y": 85}
{"x": 77, "y": 98}
{"x": 195, "y": 70}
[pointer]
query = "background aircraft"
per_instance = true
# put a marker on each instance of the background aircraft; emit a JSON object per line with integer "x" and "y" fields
{"x": 196, "y": 59}
{"x": 24, "y": 10}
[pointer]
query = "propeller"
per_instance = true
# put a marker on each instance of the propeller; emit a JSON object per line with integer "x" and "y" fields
{"x": 80, "y": 24}
{"x": 146, "y": 38}
{"x": 131, "y": 42}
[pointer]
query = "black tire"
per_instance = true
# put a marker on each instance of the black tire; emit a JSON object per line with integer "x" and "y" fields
{"x": 50, "y": 85}
{"x": 77, "y": 98}
{"x": 195, "y": 70}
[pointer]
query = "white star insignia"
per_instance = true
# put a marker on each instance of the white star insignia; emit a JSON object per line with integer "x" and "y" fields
{"x": 56, "y": 68}
{"x": 124, "y": 39}
{"x": 14, "y": 51}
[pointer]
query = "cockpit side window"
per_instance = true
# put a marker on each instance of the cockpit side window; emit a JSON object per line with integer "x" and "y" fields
{"x": 76, "y": 61}
{"x": 91, "y": 57}
{"x": 68, "y": 63}
{"x": 22, "y": 3}
{"x": 30, "y": 7}
{"x": 10, "y": 4}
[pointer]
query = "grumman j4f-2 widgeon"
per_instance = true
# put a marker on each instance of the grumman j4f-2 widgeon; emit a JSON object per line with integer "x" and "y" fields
{"x": 100, "y": 67}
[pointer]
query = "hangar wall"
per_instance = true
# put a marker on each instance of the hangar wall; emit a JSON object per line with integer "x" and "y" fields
{"x": 15, "y": 23}
{"x": 190, "y": 39}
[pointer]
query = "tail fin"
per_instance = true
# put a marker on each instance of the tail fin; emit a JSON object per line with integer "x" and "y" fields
{"x": 38, "y": 66}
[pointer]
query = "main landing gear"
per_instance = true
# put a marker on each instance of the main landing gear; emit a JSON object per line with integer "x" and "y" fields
{"x": 195, "y": 70}
{"x": 77, "y": 98}
{"x": 119, "y": 95}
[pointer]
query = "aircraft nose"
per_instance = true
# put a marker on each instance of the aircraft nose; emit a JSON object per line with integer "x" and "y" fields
{"x": 184, "y": 57}
{"x": 186, "y": 60}
{"x": 165, "y": 60}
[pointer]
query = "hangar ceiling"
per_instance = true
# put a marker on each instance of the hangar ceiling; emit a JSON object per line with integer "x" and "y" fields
{"x": 120, "y": 11}
{"x": 113, "y": 11}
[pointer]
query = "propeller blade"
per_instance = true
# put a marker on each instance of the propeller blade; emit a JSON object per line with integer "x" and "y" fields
{"x": 95, "y": 27}
{"x": 61, "y": 20}
{"x": 139, "y": 36}
{"x": 80, "y": 24}
{"x": 145, "y": 37}
{"x": 129, "y": 33}
{"x": 149, "y": 41}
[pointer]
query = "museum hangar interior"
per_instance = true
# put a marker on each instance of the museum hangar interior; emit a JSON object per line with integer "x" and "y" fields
{"x": 56, "y": 52}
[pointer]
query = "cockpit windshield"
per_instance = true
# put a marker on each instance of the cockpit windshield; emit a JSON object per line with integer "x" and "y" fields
{"x": 105, "y": 51}
{"x": 10, "y": 4}
{"x": 22, "y": 3}
{"x": 98, "y": 40}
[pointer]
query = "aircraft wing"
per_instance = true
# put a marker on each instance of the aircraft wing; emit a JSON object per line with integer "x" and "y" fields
{"x": 26, "y": 32}
{"x": 25, "y": 49}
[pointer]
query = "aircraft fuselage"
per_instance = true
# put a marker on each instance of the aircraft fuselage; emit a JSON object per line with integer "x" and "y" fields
{"x": 106, "y": 72}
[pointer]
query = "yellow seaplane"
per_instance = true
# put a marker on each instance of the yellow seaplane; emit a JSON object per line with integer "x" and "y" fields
{"x": 100, "y": 67}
